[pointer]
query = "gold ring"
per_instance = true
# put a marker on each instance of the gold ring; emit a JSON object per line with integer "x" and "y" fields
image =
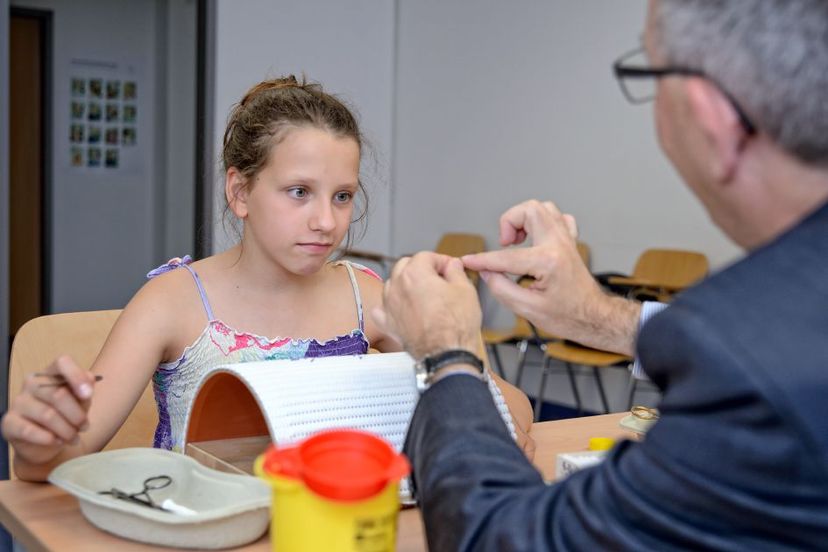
{"x": 644, "y": 413}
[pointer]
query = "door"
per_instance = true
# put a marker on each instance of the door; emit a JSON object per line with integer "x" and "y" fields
{"x": 28, "y": 77}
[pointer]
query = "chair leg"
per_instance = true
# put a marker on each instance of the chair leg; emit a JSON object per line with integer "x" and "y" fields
{"x": 633, "y": 386}
{"x": 498, "y": 364}
{"x": 571, "y": 373}
{"x": 542, "y": 387}
{"x": 600, "y": 384}
{"x": 522, "y": 347}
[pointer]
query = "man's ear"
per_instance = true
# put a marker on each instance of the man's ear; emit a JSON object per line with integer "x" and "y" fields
{"x": 235, "y": 190}
{"x": 719, "y": 123}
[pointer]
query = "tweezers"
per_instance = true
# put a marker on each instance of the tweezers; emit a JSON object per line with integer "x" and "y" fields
{"x": 56, "y": 380}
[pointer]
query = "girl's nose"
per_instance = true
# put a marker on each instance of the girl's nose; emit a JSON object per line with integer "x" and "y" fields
{"x": 322, "y": 218}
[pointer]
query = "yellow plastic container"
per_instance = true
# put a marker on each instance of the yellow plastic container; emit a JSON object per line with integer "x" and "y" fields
{"x": 601, "y": 443}
{"x": 336, "y": 491}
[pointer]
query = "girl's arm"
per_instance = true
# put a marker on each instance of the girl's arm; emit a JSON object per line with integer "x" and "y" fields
{"x": 521, "y": 412}
{"x": 370, "y": 288}
{"x": 48, "y": 425}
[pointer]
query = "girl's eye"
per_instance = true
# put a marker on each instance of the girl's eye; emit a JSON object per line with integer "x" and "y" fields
{"x": 298, "y": 193}
{"x": 343, "y": 197}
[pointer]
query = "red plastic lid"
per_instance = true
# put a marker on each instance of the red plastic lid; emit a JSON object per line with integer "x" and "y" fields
{"x": 343, "y": 465}
{"x": 282, "y": 461}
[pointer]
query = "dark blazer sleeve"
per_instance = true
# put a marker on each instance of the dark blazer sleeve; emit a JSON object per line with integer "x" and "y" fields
{"x": 723, "y": 469}
{"x": 477, "y": 490}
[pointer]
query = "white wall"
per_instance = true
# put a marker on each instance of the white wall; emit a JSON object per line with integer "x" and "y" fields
{"x": 481, "y": 104}
{"x": 347, "y": 46}
{"x": 499, "y": 102}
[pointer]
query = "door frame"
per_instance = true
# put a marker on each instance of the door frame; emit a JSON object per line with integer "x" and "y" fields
{"x": 205, "y": 172}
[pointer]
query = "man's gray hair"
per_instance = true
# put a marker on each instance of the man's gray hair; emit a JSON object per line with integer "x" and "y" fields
{"x": 771, "y": 56}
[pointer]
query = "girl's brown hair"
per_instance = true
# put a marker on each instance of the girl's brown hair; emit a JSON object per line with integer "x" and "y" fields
{"x": 269, "y": 110}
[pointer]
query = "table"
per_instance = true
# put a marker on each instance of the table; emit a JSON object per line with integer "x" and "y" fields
{"x": 43, "y": 517}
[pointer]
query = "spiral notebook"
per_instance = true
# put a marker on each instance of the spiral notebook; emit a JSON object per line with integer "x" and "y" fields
{"x": 293, "y": 399}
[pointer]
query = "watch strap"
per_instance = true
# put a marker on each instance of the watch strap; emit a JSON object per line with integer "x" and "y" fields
{"x": 432, "y": 363}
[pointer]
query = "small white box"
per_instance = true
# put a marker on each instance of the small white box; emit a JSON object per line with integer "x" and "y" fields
{"x": 568, "y": 463}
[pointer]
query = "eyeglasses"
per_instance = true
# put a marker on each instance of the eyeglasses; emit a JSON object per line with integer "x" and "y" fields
{"x": 638, "y": 81}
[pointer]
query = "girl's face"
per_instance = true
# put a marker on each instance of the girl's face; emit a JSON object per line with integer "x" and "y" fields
{"x": 299, "y": 206}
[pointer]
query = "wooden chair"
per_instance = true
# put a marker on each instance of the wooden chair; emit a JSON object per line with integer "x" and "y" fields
{"x": 80, "y": 335}
{"x": 457, "y": 244}
{"x": 660, "y": 273}
{"x": 571, "y": 353}
{"x": 520, "y": 335}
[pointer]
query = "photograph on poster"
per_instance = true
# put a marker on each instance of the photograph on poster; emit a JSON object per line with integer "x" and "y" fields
{"x": 129, "y": 113}
{"x": 78, "y": 110}
{"x": 93, "y": 157}
{"x": 76, "y": 156}
{"x": 103, "y": 115}
{"x": 111, "y": 159}
{"x": 130, "y": 90}
{"x": 95, "y": 88}
{"x": 128, "y": 137}
{"x": 78, "y": 87}
{"x": 76, "y": 133}
{"x": 94, "y": 111}
{"x": 113, "y": 90}
{"x": 111, "y": 112}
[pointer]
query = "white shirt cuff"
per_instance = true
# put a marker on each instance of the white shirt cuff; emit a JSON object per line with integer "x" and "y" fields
{"x": 648, "y": 310}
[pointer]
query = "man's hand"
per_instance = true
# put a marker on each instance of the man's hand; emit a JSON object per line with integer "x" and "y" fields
{"x": 430, "y": 305}
{"x": 564, "y": 299}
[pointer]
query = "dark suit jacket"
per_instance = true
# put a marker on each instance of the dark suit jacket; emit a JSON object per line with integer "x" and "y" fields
{"x": 738, "y": 460}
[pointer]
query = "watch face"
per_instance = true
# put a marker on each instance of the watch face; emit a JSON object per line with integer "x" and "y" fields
{"x": 421, "y": 376}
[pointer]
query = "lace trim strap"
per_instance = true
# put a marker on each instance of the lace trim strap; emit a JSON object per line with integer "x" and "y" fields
{"x": 178, "y": 262}
{"x": 357, "y": 296}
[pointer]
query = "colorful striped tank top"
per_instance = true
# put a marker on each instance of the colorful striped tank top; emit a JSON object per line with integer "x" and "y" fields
{"x": 174, "y": 383}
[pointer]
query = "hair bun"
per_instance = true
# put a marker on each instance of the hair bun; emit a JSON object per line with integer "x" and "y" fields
{"x": 281, "y": 83}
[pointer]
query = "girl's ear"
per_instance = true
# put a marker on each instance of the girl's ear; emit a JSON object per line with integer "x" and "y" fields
{"x": 235, "y": 190}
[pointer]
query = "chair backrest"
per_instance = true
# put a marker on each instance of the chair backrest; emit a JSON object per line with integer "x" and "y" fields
{"x": 80, "y": 335}
{"x": 458, "y": 244}
{"x": 671, "y": 267}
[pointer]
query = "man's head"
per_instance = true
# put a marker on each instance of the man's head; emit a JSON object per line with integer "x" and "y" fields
{"x": 769, "y": 58}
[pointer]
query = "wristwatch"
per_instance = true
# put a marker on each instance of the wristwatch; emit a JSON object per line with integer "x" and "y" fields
{"x": 428, "y": 366}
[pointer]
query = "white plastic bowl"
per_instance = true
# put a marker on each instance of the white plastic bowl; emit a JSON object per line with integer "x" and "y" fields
{"x": 231, "y": 510}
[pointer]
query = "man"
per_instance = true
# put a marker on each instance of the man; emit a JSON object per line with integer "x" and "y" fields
{"x": 739, "y": 458}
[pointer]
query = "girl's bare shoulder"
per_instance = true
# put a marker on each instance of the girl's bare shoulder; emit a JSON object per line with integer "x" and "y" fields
{"x": 172, "y": 291}
{"x": 167, "y": 310}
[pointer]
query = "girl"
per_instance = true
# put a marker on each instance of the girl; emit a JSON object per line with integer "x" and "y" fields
{"x": 291, "y": 155}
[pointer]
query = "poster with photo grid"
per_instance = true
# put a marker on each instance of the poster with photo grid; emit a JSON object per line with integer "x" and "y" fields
{"x": 103, "y": 116}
